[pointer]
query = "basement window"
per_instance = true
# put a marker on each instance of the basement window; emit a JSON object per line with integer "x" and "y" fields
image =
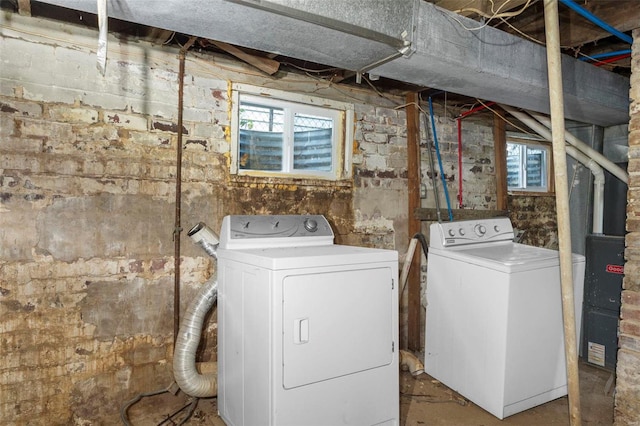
{"x": 528, "y": 166}
{"x": 275, "y": 133}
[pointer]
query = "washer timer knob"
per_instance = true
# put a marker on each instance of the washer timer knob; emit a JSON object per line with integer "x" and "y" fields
{"x": 310, "y": 225}
{"x": 452, "y": 233}
{"x": 480, "y": 230}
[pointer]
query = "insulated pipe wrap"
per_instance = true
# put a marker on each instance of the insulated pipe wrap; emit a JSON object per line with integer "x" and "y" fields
{"x": 184, "y": 367}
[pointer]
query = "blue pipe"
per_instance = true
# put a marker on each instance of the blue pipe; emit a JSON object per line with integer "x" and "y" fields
{"x": 435, "y": 142}
{"x": 594, "y": 19}
{"x": 606, "y": 55}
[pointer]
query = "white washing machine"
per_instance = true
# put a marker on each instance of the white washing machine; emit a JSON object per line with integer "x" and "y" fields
{"x": 494, "y": 328}
{"x": 307, "y": 330}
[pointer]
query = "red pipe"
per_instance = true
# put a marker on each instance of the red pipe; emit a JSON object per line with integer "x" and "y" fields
{"x": 476, "y": 109}
{"x": 459, "y": 121}
{"x": 600, "y": 63}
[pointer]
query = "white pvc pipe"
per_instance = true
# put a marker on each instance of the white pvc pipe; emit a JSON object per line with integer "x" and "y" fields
{"x": 598, "y": 187}
{"x": 581, "y": 156}
{"x": 609, "y": 165}
{"x": 411, "y": 363}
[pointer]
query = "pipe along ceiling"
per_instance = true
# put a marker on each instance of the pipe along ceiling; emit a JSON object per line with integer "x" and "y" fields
{"x": 411, "y": 41}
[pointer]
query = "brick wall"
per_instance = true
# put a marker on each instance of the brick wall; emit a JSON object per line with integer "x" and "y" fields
{"x": 87, "y": 181}
{"x": 478, "y": 168}
{"x": 627, "y": 402}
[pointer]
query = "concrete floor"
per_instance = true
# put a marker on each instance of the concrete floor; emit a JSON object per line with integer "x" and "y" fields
{"x": 423, "y": 401}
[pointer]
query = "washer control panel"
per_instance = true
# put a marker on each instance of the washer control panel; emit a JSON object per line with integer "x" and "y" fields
{"x": 448, "y": 234}
{"x": 267, "y": 231}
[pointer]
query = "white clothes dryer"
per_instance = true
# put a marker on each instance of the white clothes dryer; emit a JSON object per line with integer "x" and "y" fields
{"x": 307, "y": 330}
{"x": 494, "y": 327}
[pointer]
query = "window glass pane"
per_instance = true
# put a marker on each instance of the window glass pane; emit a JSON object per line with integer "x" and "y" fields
{"x": 261, "y": 137}
{"x": 261, "y": 117}
{"x": 312, "y": 142}
{"x": 514, "y": 166}
{"x": 527, "y": 167}
{"x": 536, "y": 167}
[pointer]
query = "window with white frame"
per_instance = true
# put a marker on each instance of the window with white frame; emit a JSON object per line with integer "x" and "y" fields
{"x": 281, "y": 134}
{"x": 528, "y": 166}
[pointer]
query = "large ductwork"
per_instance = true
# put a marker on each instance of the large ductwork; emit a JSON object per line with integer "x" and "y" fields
{"x": 410, "y": 41}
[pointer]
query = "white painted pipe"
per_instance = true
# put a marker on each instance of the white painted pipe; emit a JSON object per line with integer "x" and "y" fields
{"x": 541, "y": 125}
{"x": 408, "y": 259}
{"x": 598, "y": 186}
{"x": 581, "y": 156}
{"x": 411, "y": 363}
{"x": 609, "y": 165}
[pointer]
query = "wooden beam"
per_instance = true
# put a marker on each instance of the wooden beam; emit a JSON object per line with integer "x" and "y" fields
{"x": 345, "y": 75}
{"x": 24, "y": 7}
{"x": 500, "y": 161}
{"x": 414, "y": 225}
{"x": 623, "y": 15}
{"x": 266, "y": 65}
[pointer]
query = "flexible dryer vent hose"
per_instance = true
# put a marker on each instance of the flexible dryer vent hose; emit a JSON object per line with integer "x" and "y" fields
{"x": 184, "y": 365}
{"x": 184, "y": 356}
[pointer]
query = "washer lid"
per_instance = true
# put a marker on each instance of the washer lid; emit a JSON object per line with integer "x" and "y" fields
{"x": 507, "y": 257}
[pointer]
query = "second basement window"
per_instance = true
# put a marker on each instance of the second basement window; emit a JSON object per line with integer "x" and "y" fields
{"x": 291, "y": 135}
{"x": 528, "y": 166}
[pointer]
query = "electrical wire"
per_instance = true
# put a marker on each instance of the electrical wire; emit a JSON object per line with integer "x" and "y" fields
{"x": 504, "y": 119}
{"x": 123, "y": 411}
{"x": 494, "y": 15}
{"x": 192, "y": 407}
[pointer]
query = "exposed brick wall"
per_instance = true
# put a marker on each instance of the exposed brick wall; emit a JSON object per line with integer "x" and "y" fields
{"x": 478, "y": 168}
{"x": 536, "y": 215}
{"x": 627, "y": 403}
{"x": 87, "y": 181}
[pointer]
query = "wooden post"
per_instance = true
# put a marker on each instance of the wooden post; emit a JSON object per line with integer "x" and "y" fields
{"x": 554, "y": 71}
{"x": 500, "y": 159}
{"x": 413, "y": 178}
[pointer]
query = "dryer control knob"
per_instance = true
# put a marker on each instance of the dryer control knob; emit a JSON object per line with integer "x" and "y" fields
{"x": 310, "y": 225}
{"x": 452, "y": 233}
{"x": 480, "y": 230}
{"x": 461, "y": 231}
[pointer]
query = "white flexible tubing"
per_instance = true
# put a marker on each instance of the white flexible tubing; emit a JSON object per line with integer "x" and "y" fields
{"x": 609, "y": 165}
{"x": 184, "y": 365}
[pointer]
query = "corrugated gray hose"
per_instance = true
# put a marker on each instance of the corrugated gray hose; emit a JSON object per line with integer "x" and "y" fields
{"x": 184, "y": 357}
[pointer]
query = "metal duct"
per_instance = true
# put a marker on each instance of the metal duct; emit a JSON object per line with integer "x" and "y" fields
{"x": 356, "y": 35}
